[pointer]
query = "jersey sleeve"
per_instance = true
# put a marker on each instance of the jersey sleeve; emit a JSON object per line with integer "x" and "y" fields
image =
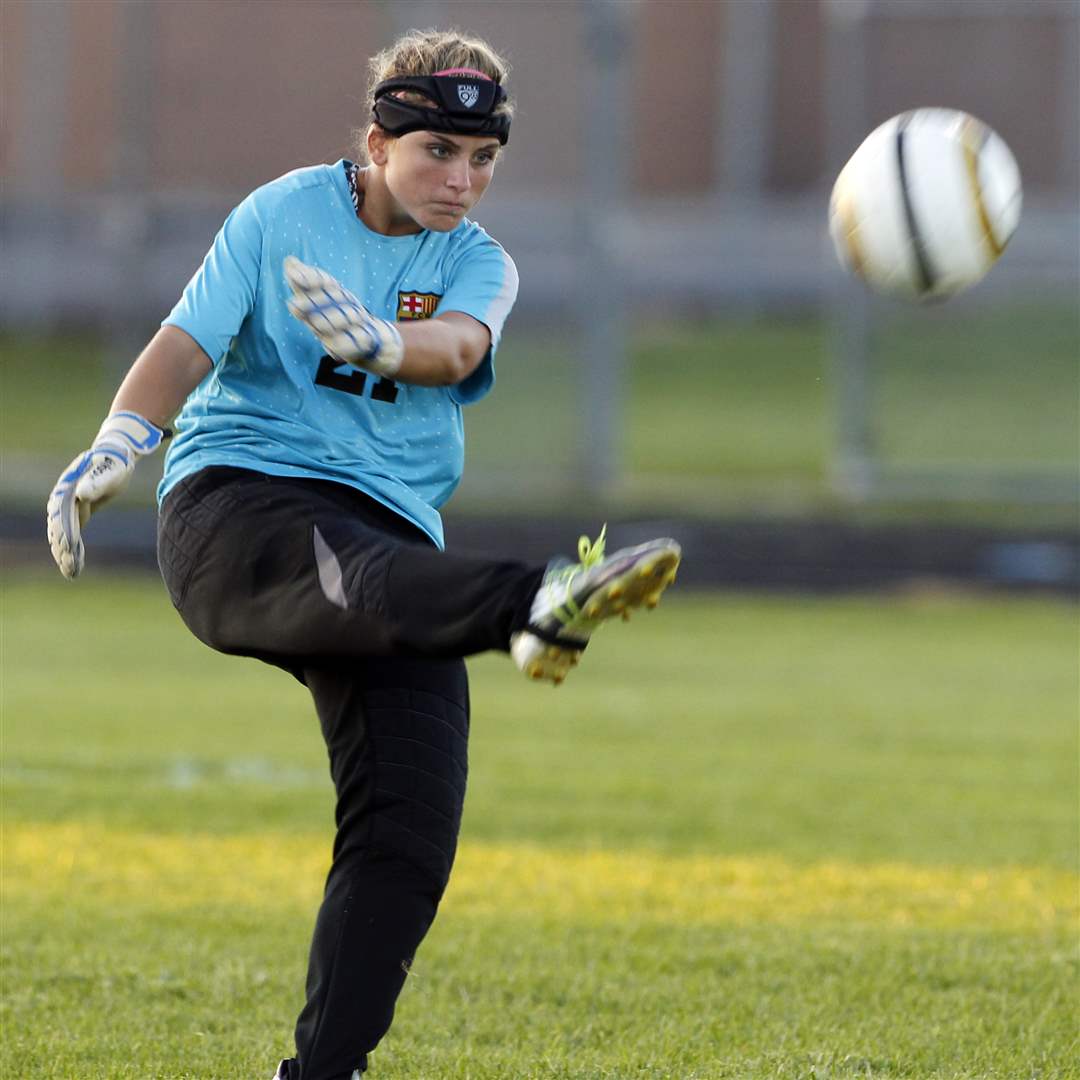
{"x": 484, "y": 285}
{"x": 221, "y": 294}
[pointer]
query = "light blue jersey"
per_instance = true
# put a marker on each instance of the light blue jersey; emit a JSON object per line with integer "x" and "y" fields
{"x": 274, "y": 403}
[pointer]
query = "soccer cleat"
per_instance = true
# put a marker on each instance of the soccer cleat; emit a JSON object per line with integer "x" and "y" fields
{"x": 574, "y": 598}
{"x": 289, "y": 1069}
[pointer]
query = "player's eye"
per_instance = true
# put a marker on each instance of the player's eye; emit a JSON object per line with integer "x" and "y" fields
{"x": 485, "y": 157}
{"x": 439, "y": 150}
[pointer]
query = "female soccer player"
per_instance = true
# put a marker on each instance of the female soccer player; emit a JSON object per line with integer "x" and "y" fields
{"x": 319, "y": 360}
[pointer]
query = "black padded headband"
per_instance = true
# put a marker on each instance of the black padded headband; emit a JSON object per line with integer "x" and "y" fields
{"x": 465, "y": 105}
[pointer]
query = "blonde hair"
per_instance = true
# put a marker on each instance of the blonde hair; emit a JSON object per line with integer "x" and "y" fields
{"x": 423, "y": 52}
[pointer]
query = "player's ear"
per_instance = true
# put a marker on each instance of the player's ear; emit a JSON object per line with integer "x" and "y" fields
{"x": 377, "y": 142}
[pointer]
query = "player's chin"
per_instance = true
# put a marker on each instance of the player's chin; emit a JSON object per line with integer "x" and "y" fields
{"x": 440, "y": 218}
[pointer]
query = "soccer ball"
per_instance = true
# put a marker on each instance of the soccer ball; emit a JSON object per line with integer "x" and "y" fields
{"x": 926, "y": 204}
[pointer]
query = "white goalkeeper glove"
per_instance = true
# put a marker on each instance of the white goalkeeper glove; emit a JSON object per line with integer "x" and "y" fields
{"x": 346, "y": 329}
{"x": 94, "y": 477}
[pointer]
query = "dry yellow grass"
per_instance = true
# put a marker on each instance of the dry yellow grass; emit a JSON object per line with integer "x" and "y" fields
{"x": 170, "y": 870}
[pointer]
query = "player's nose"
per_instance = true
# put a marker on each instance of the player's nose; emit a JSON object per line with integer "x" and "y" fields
{"x": 459, "y": 177}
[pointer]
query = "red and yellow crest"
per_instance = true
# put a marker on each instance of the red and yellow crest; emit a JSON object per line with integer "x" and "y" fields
{"x": 416, "y": 305}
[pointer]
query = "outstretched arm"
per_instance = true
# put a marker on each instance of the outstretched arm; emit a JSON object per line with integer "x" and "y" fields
{"x": 152, "y": 392}
{"x": 159, "y": 381}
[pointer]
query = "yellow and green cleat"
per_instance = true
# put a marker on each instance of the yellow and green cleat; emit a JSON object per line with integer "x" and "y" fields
{"x": 574, "y": 598}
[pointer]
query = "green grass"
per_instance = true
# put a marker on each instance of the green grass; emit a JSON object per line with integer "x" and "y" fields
{"x": 744, "y": 399}
{"x": 753, "y": 837}
{"x": 998, "y": 389}
{"x": 715, "y": 415}
{"x": 53, "y": 388}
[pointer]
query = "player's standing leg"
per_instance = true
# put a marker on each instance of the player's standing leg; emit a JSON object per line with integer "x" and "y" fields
{"x": 396, "y": 731}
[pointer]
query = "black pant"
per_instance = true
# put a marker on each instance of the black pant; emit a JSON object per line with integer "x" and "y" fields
{"x": 359, "y": 605}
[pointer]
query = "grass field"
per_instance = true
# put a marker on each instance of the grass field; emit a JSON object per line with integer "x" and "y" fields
{"x": 753, "y": 837}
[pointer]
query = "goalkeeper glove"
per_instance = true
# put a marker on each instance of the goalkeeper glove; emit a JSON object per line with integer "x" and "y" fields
{"x": 93, "y": 478}
{"x": 347, "y": 330}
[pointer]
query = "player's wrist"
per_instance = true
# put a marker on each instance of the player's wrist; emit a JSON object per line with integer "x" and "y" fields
{"x": 388, "y": 350}
{"x": 128, "y": 434}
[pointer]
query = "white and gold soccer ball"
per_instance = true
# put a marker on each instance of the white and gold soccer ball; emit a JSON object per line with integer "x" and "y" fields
{"x": 926, "y": 204}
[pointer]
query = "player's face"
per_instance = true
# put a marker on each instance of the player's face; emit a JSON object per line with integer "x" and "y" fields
{"x": 435, "y": 178}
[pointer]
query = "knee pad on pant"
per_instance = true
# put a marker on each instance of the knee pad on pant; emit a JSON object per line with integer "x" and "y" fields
{"x": 419, "y": 742}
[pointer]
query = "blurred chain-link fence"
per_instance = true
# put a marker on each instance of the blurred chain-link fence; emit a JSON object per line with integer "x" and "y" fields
{"x": 663, "y": 195}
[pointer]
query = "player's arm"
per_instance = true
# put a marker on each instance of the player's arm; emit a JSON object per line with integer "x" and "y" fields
{"x": 442, "y": 351}
{"x": 163, "y": 376}
{"x": 434, "y": 352}
{"x": 152, "y": 392}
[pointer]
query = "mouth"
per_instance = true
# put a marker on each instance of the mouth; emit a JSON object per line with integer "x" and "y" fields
{"x": 451, "y": 208}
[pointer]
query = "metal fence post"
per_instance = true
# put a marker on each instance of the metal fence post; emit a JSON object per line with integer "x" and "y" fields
{"x": 846, "y": 83}
{"x": 601, "y": 300}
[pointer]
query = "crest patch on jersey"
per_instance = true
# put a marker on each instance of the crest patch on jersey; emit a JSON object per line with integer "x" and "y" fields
{"x": 417, "y": 305}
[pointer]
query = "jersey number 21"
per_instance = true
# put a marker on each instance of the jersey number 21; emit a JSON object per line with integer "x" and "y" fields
{"x": 353, "y": 380}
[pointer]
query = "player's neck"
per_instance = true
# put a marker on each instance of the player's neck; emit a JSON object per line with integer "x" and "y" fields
{"x": 379, "y": 210}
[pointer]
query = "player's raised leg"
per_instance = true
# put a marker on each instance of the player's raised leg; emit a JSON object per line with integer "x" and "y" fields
{"x": 324, "y": 572}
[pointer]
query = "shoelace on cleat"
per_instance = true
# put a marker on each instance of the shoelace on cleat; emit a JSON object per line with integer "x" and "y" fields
{"x": 559, "y": 577}
{"x": 590, "y": 553}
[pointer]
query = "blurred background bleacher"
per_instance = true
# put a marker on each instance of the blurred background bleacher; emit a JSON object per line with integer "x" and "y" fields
{"x": 684, "y": 347}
